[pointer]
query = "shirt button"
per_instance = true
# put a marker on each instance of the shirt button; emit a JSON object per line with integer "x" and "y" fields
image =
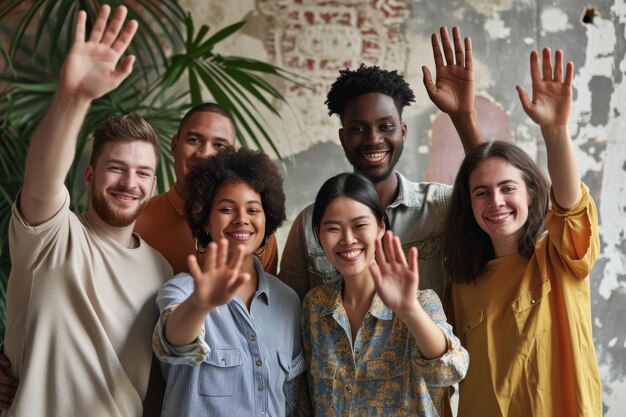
{"x": 252, "y": 337}
{"x": 259, "y": 363}
{"x": 260, "y": 388}
{"x": 533, "y": 301}
{"x": 348, "y": 389}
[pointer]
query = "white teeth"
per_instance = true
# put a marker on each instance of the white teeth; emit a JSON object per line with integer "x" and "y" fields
{"x": 351, "y": 254}
{"x": 375, "y": 156}
{"x": 241, "y": 235}
{"x": 499, "y": 217}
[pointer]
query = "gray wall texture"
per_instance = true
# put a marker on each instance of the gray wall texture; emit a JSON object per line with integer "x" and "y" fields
{"x": 315, "y": 38}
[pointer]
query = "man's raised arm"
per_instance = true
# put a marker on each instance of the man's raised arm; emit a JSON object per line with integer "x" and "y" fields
{"x": 90, "y": 71}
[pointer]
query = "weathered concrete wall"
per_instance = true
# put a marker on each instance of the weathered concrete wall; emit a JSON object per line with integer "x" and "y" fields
{"x": 316, "y": 38}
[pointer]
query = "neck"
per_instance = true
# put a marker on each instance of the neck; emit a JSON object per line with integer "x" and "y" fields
{"x": 505, "y": 246}
{"x": 181, "y": 189}
{"x": 388, "y": 189}
{"x": 123, "y": 234}
{"x": 358, "y": 289}
{"x": 246, "y": 291}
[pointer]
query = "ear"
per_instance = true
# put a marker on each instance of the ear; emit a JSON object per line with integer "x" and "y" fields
{"x": 381, "y": 230}
{"x": 89, "y": 176}
{"x": 404, "y": 130}
{"x": 341, "y": 136}
{"x": 173, "y": 144}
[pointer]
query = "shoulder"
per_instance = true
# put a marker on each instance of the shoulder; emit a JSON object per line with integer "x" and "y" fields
{"x": 429, "y": 301}
{"x": 425, "y": 191}
{"x": 281, "y": 292}
{"x": 319, "y": 297}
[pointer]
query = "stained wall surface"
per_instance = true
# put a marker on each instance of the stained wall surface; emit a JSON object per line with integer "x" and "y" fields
{"x": 315, "y": 38}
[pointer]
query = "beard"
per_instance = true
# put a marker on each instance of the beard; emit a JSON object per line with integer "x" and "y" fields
{"x": 390, "y": 168}
{"x": 114, "y": 215}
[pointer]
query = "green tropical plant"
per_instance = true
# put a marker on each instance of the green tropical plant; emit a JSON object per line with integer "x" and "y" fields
{"x": 169, "y": 50}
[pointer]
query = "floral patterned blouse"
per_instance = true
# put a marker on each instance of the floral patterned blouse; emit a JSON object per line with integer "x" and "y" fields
{"x": 382, "y": 372}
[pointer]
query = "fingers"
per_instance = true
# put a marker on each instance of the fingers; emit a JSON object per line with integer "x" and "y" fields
{"x": 436, "y": 51}
{"x": 458, "y": 47}
{"x": 236, "y": 259}
{"x": 222, "y": 253}
{"x": 100, "y": 24}
{"x": 534, "y": 67}
{"x": 447, "y": 47}
{"x": 123, "y": 40}
{"x": 113, "y": 29}
{"x": 398, "y": 251}
{"x": 79, "y": 31}
{"x": 413, "y": 259}
{"x": 558, "y": 66}
{"x": 431, "y": 88}
{"x": 236, "y": 282}
{"x": 569, "y": 74}
{"x": 523, "y": 98}
{"x": 194, "y": 267}
{"x": 469, "y": 58}
{"x": 546, "y": 64}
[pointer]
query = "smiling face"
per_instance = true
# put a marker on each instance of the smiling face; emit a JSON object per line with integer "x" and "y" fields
{"x": 372, "y": 135}
{"x": 500, "y": 202}
{"x": 122, "y": 181}
{"x": 348, "y": 232}
{"x": 237, "y": 215}
{"x": 202, "y": 135}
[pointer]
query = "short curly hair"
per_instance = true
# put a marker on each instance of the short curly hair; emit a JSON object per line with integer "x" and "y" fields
{"x": 229, "y": 165}
{"x": 363, "y": 80}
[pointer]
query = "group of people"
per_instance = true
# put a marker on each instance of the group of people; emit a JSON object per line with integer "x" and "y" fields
{"x": 355, "y": 322}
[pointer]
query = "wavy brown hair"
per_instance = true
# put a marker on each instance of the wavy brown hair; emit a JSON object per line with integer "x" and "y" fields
{"x": 466, "y": 247}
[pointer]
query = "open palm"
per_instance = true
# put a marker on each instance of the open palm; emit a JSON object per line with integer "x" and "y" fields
{"x": 216, "y": 282}
{"x": 453, "y": 89}
{"x": 91, "y": 67}
{"x": 396, "y": 280}
{"x": 552, "y": 93}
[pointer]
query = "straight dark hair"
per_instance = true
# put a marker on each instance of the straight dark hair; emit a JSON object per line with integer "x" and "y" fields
{"x": 466, "y": 247}
{"x": 352, "y": 185}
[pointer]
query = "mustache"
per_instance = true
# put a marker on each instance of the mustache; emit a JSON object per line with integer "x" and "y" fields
{"x": 127, "y": 191}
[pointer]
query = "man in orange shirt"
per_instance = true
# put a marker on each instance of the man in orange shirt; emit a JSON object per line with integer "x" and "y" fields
{"x": 204, "y": 130}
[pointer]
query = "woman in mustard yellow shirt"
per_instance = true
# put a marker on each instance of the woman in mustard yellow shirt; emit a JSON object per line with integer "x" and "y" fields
{"x": 520, "y": 270}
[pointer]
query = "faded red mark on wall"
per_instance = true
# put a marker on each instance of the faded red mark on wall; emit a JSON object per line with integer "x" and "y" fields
{"x": 446, "y": 152}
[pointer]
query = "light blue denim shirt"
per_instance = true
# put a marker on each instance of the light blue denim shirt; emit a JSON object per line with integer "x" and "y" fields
{"x": 243, "y": 363}
{"x": 416, "y": 217}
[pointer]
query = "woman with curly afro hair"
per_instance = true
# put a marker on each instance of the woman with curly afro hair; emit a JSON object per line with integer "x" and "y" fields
{"x": 228, "y": 336}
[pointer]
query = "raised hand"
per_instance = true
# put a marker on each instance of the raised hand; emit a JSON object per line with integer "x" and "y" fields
{"x": 453, "y": 89}
{"x": 396, "y": 280}
{"x": 552, "y": 92}
{"x": 91, "y": 67}
{"x": 219, "y": 278}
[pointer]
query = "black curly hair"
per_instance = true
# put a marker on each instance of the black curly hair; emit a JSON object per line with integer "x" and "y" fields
{"x": 363, "y": 80}
{"x": 254, "y": 168}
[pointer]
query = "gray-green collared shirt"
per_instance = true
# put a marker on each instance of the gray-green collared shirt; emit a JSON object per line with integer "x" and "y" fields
{"x": 416, "y": 217}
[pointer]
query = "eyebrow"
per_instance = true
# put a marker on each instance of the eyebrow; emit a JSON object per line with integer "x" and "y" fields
{"x": 351, "y": 221}
{"x": 192, "y": 132}
{"x": 120, "y": 162}
{"x": 230, "y": 200}
{"x": 499, "y": 184}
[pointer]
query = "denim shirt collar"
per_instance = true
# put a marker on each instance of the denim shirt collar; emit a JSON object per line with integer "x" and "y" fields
{"x": 406, "y": 193}
{"x": 263, "y": 289}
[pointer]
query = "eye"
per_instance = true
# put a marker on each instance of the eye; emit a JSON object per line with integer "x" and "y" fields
{"x": 144, "y": 174}
{"x": 193, "y": 140}
{"x": 254, "y": 211}
{"x": 508, "y": 189}
{"x": 225, "y": 209}
{"x": 387, "y": 127}
{"x": 116, "y": 169}
{"x": 480, "y": 194}
{"x": 357, "y": 129}
{"x": 219, "y": 145}
{"x": 361, "y": 225}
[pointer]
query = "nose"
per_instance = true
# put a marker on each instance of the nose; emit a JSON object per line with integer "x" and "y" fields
{"x": 128, "y": 180}
{"x": 206, "y": 150}
{"x": 241, "y": 217}
{"x": 347, "y": 237}
{"x": 374, "y": 136}
{"x": 496, "y": 200}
